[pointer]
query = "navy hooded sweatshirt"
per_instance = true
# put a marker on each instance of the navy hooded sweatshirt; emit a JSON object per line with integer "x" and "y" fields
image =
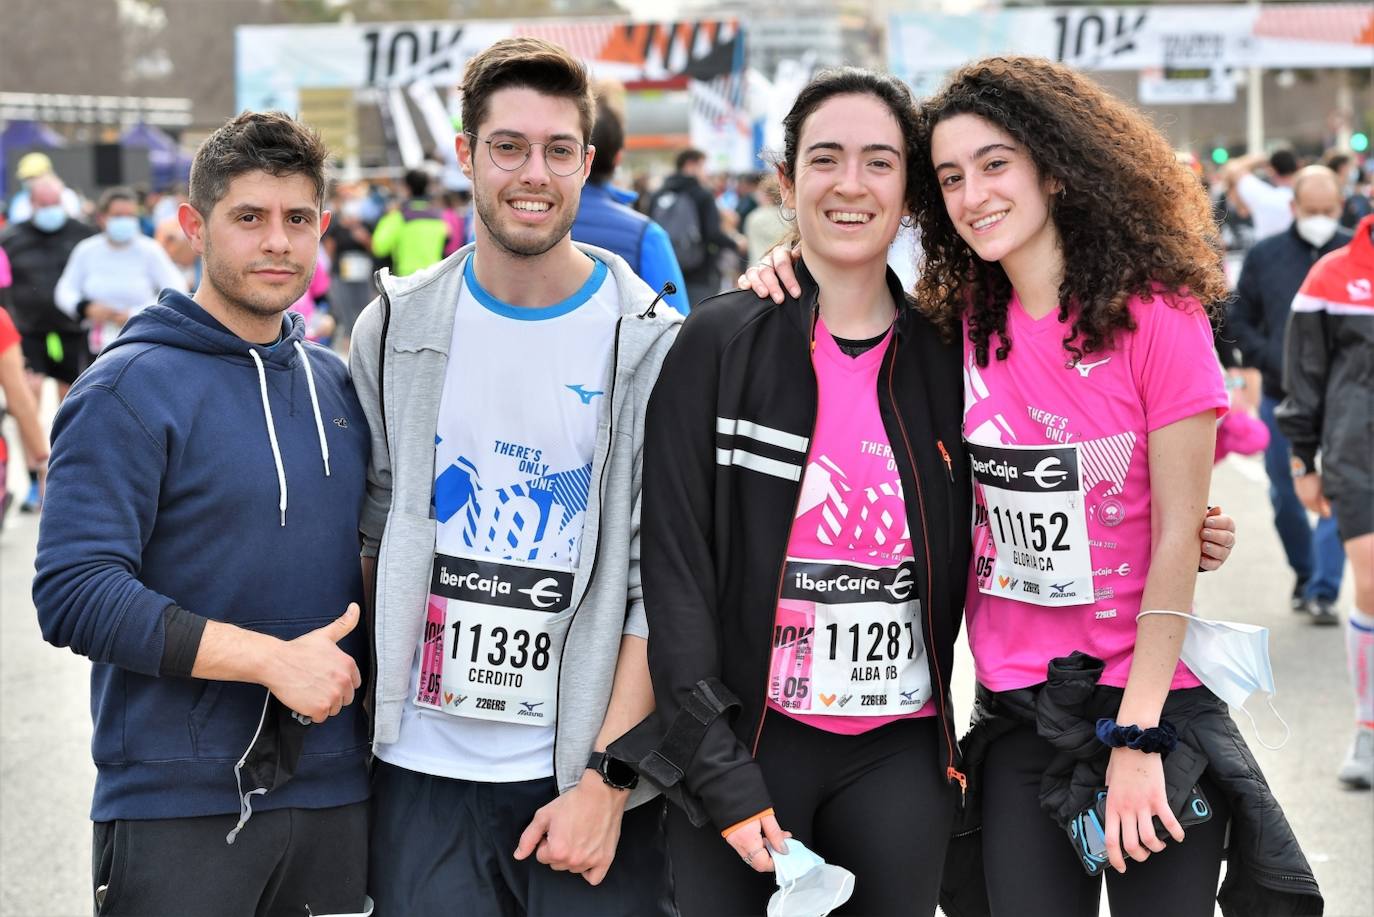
{"x": 164, "y": 488}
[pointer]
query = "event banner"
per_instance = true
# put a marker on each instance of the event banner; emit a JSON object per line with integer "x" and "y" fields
{"x": 272, "y": 63}
{"x": 1169, "y": 37}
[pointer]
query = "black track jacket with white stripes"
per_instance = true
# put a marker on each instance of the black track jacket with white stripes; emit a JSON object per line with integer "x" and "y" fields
{"x": 726, "y": 438}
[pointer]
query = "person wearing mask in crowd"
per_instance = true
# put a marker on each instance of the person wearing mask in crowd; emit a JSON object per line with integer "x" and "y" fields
{"x": 219, "y": 617}
{"x": 605, "y": 219}
{"x": 1027, "y": 200}
{"x": 686, "y": 209}
{"x": 1268, "y": 203}
{"x": 505, "y": 390}
{"x": 30, "y": 168}
{"x": 112, "y": 275}
{"x": 1257, "y": 318}
{"x": 412, "y": 234}
{"x": 54, "y": 344}
{"x": 19, "y": 401}
{"x": 1329, "y": 377}
{"x": 348, "y": 245}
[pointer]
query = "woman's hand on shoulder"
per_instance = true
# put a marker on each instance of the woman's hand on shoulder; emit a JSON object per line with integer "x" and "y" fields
{"x": 774, "y": 276}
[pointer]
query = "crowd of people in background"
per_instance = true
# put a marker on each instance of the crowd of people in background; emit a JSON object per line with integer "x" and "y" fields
{"x": 412, "y": 220}
{"x": 550, "y": 381}
{"x": 77, "y": 268}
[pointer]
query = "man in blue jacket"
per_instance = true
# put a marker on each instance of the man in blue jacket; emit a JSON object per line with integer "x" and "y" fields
{"x": 219, "y": 615}
{"x": 606, "y": 220}
{"x": 1257, "y": 316}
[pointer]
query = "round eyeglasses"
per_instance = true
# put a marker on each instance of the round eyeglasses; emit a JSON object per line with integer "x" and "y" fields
{"x": 511, "y": 151}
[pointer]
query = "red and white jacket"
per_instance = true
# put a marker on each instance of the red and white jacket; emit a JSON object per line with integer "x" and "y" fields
{"x": 1329, "y": 368}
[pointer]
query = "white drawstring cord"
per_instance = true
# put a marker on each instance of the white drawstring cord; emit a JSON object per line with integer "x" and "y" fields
{"x": 271, "y": 435}
{"x": 315, "y": 405}
{"x": 246, "y": 799}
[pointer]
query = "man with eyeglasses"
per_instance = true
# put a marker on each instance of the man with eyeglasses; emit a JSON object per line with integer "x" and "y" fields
{"x": 505, "y": 388}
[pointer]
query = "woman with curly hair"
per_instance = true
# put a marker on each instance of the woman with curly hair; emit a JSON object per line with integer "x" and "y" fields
{"x": 1074, "y": 256}
{"x": 1077, "y": 257}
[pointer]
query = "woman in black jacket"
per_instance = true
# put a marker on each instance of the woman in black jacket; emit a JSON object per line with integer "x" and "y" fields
{"x": 805, "y": 540}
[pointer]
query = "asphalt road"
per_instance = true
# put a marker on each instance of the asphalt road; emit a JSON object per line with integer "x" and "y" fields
{"x": 46, "y": 774}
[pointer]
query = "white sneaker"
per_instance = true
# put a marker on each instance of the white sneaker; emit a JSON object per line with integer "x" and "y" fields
{"x": 1358, "y": 768}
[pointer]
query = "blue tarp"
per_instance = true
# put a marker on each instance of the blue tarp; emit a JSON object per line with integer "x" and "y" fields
{"x": 25, "y": 136}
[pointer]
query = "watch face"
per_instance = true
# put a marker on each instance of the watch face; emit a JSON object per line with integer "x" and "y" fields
{"x": 619, "y": 774}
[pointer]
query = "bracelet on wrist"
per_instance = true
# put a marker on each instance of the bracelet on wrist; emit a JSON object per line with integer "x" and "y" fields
{"x": 1159, "y": 739}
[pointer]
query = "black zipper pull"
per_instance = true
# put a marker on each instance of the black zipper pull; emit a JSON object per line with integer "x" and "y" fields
{"x": 669, "y": 288}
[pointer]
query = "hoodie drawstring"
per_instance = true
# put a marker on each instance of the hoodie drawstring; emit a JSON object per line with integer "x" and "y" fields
{"x": 272, "y": 429}
{"x": 315, "y": 406}
{"x": 271, "y": 435}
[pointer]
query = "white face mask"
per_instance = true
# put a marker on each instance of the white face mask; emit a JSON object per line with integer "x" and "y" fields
{"x": 807, "y": 885}
{"x": 1316, "y": 230}
{"x": 1232, "y": 660}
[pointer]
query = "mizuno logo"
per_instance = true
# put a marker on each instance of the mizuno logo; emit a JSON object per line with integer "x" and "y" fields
{"x": 582, "y": 393}
{"x": 1048, "y": 473}
{"x": 531, "y": 705}
{"x": 542, "y": 591}
{"x": 910, "y": 696}
{"x": 1085, "y": 368}
{"x": 1060, "y": 587}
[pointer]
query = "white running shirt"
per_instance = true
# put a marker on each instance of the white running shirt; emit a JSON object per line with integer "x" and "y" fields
{"x": 513, "y": 462}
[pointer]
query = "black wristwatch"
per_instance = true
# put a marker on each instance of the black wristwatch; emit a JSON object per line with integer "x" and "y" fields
{"x": 615, "y": 773}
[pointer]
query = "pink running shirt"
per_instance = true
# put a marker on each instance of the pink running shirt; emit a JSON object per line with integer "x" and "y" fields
{"x": 1106, "y": 404}
{"x": 851, "y": 522}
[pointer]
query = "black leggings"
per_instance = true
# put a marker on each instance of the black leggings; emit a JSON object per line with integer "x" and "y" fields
{"x": 1032, "y": 869}
{"x": 873, "y": 803}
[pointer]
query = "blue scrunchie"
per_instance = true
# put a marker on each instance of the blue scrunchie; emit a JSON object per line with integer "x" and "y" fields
{"x": 1157, "y": 739}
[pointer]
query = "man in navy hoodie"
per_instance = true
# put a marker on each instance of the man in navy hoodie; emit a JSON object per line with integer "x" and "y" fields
{"x": 220, "y": 615}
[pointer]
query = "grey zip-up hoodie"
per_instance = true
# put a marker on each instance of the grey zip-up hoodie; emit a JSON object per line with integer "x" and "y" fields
{"x": 397, "y": 527}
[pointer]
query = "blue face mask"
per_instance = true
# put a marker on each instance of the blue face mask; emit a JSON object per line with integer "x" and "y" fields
{"x": 121, "y": 229}
{"x": 50, "y": 219}
{"x": 807, "y": 885}
{"x": 1232, "y": 660}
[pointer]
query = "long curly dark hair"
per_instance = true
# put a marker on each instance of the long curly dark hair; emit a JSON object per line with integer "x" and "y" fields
{"x": 1131, "y": 219}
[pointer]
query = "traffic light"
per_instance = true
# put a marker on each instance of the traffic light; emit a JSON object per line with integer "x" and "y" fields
{"x": 1219, "y": 155}
{"x": 1359, "y": 142}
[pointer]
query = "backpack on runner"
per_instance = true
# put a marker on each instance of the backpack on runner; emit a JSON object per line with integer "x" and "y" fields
{"x": 676, "y": 212}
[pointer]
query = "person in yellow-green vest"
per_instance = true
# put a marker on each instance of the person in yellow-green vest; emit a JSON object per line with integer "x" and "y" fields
{"x": 412, "y": 236}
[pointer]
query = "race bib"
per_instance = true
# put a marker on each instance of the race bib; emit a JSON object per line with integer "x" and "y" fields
{"x": 493, "y": 639}
{"x": 848, "y": 640}
{"x": 1030, "y": 528}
